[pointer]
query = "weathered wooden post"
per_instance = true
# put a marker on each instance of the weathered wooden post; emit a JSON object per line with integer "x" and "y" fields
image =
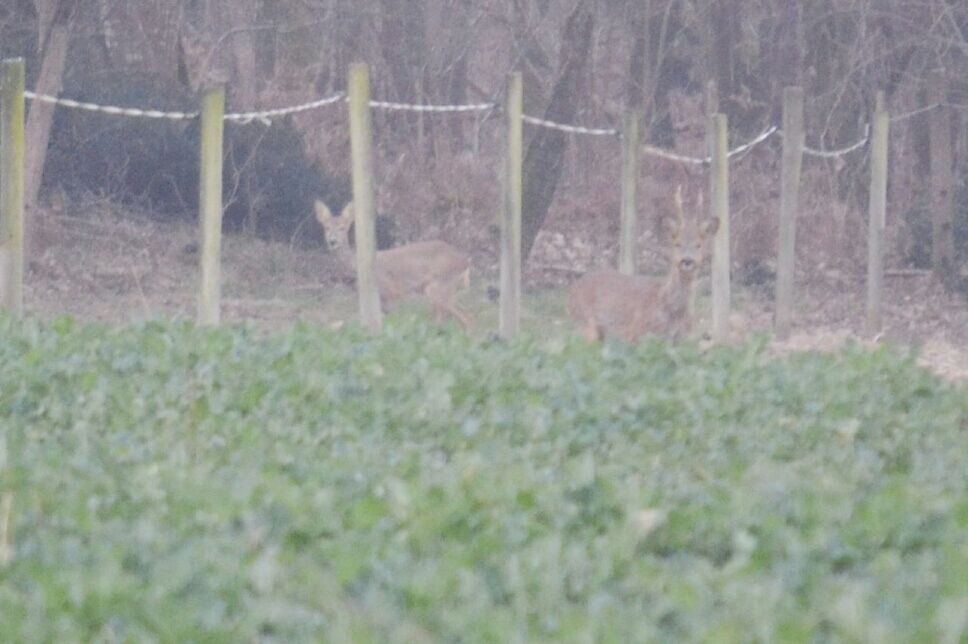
{"x": 789, "y": 202}
{"x": 364, "y": 230}
{"x": 719, "y": 205}
{"x": 510, "y": 303}
{"x": 12, "y": 187}
{"x": 628, "y": 231}
{"x": 877, "y": 216}
{"x": 210, "y": 205}
{"x": 942, "y": 180}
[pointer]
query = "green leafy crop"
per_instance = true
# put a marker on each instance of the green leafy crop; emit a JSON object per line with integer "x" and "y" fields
{"x": 170, "y": 483}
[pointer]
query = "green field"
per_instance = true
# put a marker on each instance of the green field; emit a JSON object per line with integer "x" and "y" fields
{"x": 174, "y": 484}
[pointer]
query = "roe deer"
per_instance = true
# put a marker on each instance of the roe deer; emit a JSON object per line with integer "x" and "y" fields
{"x": 432, "y": 269}
{"x": 630, "y": 306}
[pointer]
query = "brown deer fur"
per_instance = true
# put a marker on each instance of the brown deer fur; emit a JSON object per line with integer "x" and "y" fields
{"x": 630, "y": 306}
{"x": 434, "y": 269}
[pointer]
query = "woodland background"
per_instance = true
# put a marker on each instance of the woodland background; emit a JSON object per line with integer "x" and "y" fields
{"x": 584, "y": 62}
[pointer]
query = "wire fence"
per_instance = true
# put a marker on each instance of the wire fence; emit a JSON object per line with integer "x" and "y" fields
{"x": 831, "y": 154}
{"x": 265, "y": 117}
{"x": 874, "y": 137}
{"x": 110, "y": 109}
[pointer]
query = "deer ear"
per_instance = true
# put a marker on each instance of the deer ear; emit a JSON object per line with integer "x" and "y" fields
{"x": 322, "y": 211}
{"x": 710, "y": 227}
{"x": 348, "y": 211}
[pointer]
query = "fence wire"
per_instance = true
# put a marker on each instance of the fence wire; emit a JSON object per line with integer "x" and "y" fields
{"x": 674, "y": 156}
{"x": 740, "y": 149}
{"x": 266, "y": 116}
{"x": 414, "y": 107}
{"x": 110, "y": 109}
{"x": 833, "y": 154}
{"x": 263, "y": 116}
{"x": 571, "y": 129}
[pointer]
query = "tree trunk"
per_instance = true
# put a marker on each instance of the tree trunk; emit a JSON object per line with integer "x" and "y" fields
{"x": 241, "y": 14}
{"x": 545, "y": 155}
{"x": 723, "y": 36}
{"x": 404, "y": 53}
{"x": 789, "y": 70}
{"x": 54, "y": 19}
{"x": 638, "y": 80}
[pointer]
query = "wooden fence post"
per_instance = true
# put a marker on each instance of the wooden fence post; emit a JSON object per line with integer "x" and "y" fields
{"x": 364, "y": 230}
{"x": 877, "y": 216}
{"x": 510, "y": 303}
{"x": 628, "y": 231}
{"x": 210, "y": 205}
{"x": 942, "y": 180}
{"x": 12, "y": 187}
{"x": 789, "y": 203}
{"x": 719, "y": 181}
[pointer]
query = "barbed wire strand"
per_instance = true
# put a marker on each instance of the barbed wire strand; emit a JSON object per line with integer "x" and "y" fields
{"x": 266, "y": 116}
{"x": 110, "y": 109}
{"x": 571, "y": 129}
{"x": 674, "y": 156}
{"x": 832, "y": 154}
{"x": 413, "y": 107}
{"x": 263, "y": 116}
{"x": 740, "y": 149}
{"x": 762, "y": 136}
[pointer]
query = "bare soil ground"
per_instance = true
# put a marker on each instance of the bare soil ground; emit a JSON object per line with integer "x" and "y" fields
{"x": 117, "y": 267}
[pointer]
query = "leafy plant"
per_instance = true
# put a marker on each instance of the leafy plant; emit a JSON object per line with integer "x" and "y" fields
{"x": 175, "y": 483}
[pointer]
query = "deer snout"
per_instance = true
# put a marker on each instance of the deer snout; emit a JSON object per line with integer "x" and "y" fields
{"x": 687, "y": 263}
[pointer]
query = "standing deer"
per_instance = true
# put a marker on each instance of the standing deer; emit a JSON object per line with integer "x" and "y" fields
{"x": 630, "y": 306}
{"x": 431, "y": 269}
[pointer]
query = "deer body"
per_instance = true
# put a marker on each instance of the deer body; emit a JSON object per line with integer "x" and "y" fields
{"x": 609, "y": 303}
{"x": 433, "y": 269}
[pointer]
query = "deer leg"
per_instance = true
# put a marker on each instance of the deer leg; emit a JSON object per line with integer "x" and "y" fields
{"x": 442, "y": 295}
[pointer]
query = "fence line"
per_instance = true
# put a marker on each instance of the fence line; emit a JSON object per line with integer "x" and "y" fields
{"x": 510, "y": 262}
{"x": 263, "y": 116}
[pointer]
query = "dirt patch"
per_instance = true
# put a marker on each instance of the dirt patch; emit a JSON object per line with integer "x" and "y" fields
{"x": 118, "y": 267}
